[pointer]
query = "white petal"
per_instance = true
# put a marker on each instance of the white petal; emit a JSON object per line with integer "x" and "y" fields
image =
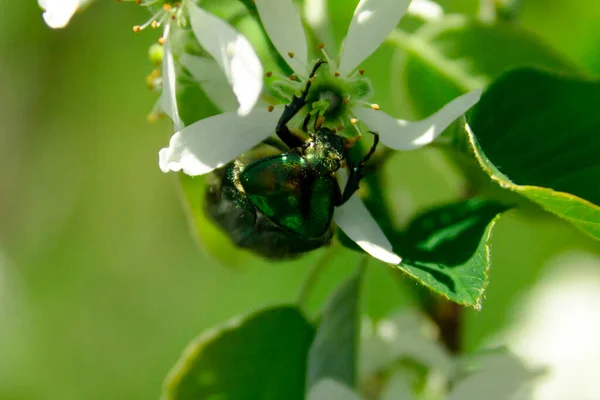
{"x": 233, "y": 52}
{"x": 372, "y": 22}
{"x": 356, "y": 222}
{"x": 168, "y": 98}
{"x": 58, "y": 13}
{"x": 284, "y": 27}
{"x": 403, "y": 135}
{"x": 212, "y": 80}
{"x": 427, "y": 10}
{"x": 214, "y": 141}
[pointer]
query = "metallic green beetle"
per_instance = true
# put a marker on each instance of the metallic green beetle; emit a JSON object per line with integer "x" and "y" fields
{"x": 279, "y": 202}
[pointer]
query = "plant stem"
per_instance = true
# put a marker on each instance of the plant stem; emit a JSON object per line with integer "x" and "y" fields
{"x": 448, "y": 316}
{"x": 313, "y": 276}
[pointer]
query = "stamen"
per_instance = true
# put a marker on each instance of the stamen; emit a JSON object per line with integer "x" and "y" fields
{"x": 375, "y": 107}
{"x": 291, "y": 54}
{"x": 322, "y": 48}
{"x": 156, "y": 113}
{"x": 340, "y": 127}
{"x": 269, "y": 74}
{"x": 153, "y": 21}
{"x": 153, "y": 79}
{"x": 270, "y": 108}
{"x": 167, "y": 12}
{"x": 162, "y": 40}
{"x": 336, "y": 74}
{"x": 354, "y": 123}
{"x": 293, "y": 77}
{"x": 345, "y": 100}
{"x": 361, "y": 71}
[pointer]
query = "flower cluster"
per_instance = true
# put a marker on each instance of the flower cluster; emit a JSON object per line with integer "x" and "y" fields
{"x": 230, "y": 134}
{"x": 341, "y": 93}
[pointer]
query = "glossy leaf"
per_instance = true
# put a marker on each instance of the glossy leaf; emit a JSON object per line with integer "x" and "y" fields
{"x": 449, "y": 235}
{"x": 447, "y": 249}
{"x": 536, "y": 133}
{"x": 333, "y": 355}
{"x": 261, "y": 357}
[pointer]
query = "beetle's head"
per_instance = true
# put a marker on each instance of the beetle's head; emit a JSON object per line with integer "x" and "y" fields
{"x": 325, "y": 151}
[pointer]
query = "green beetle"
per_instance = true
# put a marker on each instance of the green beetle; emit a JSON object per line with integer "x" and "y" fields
{"x": 280, "y": 204}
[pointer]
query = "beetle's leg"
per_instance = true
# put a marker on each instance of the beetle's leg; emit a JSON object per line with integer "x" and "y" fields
{"x": 356, "y": 172}
{"x": 290, "y": 110}
{"x": 305, "y": 123}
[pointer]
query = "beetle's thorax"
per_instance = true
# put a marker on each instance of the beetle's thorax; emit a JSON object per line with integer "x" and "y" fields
{"x": 325, "y": 151}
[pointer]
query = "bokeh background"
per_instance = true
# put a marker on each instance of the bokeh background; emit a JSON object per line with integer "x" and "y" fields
{"x": 101, "y": 283}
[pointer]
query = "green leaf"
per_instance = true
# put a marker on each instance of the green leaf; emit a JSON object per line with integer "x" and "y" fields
{"x": 536, "y": 133}
{"x": 261, "y": 357}
{"x": 447, "y": 249}
{"x": 449, "y": 235}
{"x": 333, "y": 354}
{"x": 457, "y": 55}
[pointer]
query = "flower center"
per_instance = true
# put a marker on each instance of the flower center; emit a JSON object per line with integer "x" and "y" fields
{"x": 327, "y": 100}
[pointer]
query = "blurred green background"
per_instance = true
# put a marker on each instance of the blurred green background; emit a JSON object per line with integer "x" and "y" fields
{"x": 101, "y": 283}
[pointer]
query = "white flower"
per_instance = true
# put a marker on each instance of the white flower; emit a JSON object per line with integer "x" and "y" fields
{"x": 427, "y": 10}
{"x": 58, "y": 13}
{"x": 212, "y": 142}
{"x": 231, "y": 51}
{"x": 234, "y": 54}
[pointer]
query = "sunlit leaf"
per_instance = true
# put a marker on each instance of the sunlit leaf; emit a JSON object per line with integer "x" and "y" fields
{"x": 447, "y": 249}
{"x": 260, "y": 357}
{"x": 536, "y": 133}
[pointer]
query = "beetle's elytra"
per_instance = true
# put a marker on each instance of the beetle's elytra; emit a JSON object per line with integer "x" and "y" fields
{"x": 279, "y": 202}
